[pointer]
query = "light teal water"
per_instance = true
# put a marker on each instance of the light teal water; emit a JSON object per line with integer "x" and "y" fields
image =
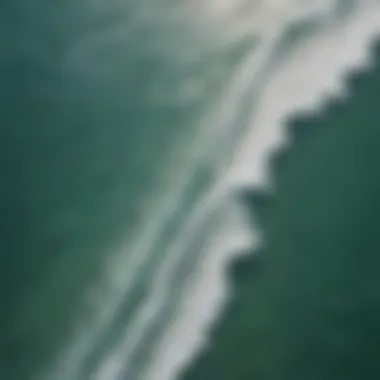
{"x": 122, "y": 126}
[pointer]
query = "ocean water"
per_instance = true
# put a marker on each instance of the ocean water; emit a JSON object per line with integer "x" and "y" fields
{"x": 189, "y": 190}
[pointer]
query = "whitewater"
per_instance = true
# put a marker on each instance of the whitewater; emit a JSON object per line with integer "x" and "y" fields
{"x": 163, "y": 289}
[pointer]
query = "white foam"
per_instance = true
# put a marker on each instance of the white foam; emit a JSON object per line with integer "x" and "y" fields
{"x": 123, "y": 268}
{"x": 315, "y": 71}
{"x": 119, "y": 358}
{"x": 312, "y": 75}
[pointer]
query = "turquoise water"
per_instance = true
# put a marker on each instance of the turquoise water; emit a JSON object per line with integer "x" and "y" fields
{"x": 135, "y": 141}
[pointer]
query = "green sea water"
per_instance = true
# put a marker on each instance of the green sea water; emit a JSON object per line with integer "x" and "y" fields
{"x": 112, "y": 134}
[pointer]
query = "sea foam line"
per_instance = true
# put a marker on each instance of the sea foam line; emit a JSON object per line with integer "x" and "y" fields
{"x": 259, "y": 59}
{"x": 120, "y": 358}
{"x": 123, "y": 270}
{"x": 145, "y": 316}
{"x": 117, "y": 360}
{"x": 187, "y": 335}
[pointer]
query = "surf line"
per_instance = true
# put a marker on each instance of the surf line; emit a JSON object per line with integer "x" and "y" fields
{"x": 188, "y": 335}
{"x": 119, "y": 359}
